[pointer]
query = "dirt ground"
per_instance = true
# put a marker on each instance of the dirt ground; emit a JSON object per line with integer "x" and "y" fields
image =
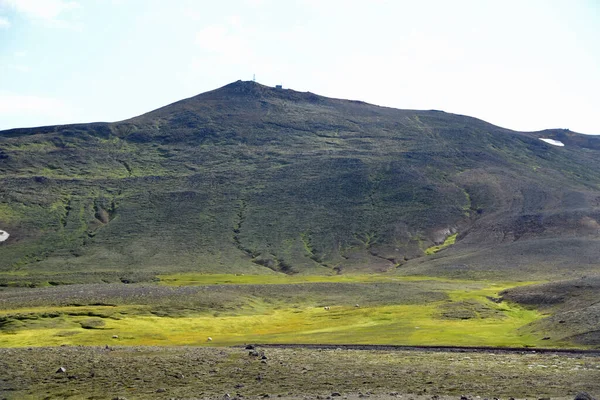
{"x": 290, "y": 373}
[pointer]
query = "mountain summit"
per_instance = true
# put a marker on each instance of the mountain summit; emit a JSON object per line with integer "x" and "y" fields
{"x": 253, "y": 179}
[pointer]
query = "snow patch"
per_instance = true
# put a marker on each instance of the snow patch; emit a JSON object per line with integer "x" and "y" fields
{"x": 3, "y": 236}
{"x": 553, "y": 142}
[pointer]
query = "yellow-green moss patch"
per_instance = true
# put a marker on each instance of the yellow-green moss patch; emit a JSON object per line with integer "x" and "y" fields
{"x": 450, "y": 240}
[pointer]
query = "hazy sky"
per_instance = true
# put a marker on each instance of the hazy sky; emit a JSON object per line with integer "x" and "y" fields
{"x": 523, "y": 65}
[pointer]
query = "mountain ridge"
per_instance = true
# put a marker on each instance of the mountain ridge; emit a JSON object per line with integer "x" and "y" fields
{"x": 252, "y": 178}
{"x": 251, "y": 89}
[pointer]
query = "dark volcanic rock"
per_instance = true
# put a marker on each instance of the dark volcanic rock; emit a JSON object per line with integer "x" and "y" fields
{"x": 583, "y": 396}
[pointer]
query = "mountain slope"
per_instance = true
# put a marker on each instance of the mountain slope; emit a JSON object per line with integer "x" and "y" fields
{"x": 253, "y": 179}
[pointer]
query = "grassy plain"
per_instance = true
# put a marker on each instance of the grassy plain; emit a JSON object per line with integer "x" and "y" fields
{"x": 233, "y": 310}
{"x": 150, "y": 340}
{"x": 181, "y": 279}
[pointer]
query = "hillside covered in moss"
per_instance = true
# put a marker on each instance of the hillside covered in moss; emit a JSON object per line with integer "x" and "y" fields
{"x": 253, "y": 179}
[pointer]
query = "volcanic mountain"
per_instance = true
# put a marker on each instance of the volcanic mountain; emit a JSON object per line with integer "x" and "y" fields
{"x": 253, "y": 179}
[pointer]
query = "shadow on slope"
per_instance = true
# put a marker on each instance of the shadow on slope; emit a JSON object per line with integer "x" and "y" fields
{"x": 574, "y": 304}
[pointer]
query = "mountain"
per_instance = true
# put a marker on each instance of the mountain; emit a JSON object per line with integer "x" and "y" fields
{"x": 253, "y": 179}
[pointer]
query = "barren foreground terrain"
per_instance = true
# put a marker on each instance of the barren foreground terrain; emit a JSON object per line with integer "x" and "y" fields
{"x": 204, "y": 372}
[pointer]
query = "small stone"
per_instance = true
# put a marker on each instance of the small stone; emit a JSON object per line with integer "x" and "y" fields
{"x": 249, "y": 347}
{"x": 61, "y": 370}
{"x": 584, "y": 396}
{"x": 115, "y": 336}
{"x": 161, "y": 390}
{"x": 335, "y": 394}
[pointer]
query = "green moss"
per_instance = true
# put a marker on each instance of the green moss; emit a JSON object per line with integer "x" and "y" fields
{"x": 92, "y": 323}
{"x": 297, "y": 319}
{"x": 450, "y": 240}
{"x": 312, "y": 203}
{"x": 8, "y": 213}
{"x": 306, "y": 242}
{"x": 198, "y": 279}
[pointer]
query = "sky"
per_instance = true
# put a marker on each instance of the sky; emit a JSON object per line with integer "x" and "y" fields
{"x": 520, "y": 64}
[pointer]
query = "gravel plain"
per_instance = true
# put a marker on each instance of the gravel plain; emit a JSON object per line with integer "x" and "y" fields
{"x": 112, "y": 372}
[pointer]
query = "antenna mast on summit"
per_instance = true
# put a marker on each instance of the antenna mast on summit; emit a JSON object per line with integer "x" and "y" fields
{"x": 253, "y": 77}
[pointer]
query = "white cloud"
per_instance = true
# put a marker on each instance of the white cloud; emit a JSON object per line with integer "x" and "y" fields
{"x": 220, "y": 40}
{"x": 255, "y": 3}
{"x": 33, "y": 106}
{"x": 19, "y": 67}
{"x": 4, "y": 23}
{"x": 42, "y": 9}
{"x": 234, "y": 20}
{"x": 54, "y": 13}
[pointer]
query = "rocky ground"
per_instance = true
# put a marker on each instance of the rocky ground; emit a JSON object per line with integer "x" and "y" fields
{"x": 290, "y": 373}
